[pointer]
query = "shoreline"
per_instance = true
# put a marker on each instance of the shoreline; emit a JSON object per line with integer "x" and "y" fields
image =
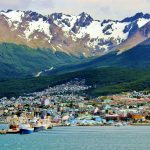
{"x": 131, "y": 124}
{"x": 140, "y": 124}
{"x": 103, "y": 125}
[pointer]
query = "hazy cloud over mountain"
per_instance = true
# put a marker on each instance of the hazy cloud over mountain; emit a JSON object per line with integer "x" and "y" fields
{"x": 26, "y": 4}
{"x": 99, "y": 9}
{"x": 14, "y": 4}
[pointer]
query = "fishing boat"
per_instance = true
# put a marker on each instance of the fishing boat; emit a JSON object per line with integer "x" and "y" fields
{"x": 11, "y": 131}
{"x": 45, "y": 123}
{"x": 14, "y": 126}
{"x": 43, "y": 126}
{"x": 50, "y": 127}
{"x": 26, "y": 129}
{"x": 37, "y": 124}
{"x": 38, "y": 128}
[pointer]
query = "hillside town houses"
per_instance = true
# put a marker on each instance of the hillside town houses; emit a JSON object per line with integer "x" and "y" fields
{"x": 67, "y": 104}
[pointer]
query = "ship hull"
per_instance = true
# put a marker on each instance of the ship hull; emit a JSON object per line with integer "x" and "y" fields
{"x": 26, "y": 131}
{"x": 37, "y": 129}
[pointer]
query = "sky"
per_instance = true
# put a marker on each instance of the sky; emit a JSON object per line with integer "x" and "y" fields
{"x": 98, "y": 9}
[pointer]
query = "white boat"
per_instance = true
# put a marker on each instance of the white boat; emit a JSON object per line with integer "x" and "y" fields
{"x": 45, "y": 123}
{"x": 26, "y": 129}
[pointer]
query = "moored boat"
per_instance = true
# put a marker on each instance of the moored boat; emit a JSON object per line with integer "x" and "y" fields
{"x": 26, "y": 129}
{"x": 38, "y": 128}
{"x": 36, "y": 123}
{"x": 50, "y": 127}
{"x": 46, "y": 124}
{"x": 14, "y": 125}
{"x": 11, "y": 131}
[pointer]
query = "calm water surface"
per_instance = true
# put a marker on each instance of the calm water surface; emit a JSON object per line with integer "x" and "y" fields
{"x": 80, "y": 138}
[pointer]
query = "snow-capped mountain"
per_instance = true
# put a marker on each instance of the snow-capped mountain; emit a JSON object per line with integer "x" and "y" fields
{"x": 77, "y": 35}
{"x": 137, "y": 37}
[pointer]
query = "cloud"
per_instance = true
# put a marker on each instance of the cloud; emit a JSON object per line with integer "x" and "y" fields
{"x": 14, "y": 4}
{"x": 42, "y": 4}
{"x": 99, "y": 9}
{"x": 37, "y": 5}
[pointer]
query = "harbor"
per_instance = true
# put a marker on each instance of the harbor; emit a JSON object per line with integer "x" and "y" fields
{"x": 64, "y": 138}
{"x": 18, "y": 126}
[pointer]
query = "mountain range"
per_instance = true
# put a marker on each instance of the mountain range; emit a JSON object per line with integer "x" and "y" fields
{"x": 32, "y": 44}
{"x": 77, "y": 35}
{"x": 137, "y": 57}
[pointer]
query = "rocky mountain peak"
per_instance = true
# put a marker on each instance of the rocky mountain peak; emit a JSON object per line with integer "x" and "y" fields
{"x": 136, "y": 17}
{"x": 84, "y": 20}
{"x": 79, "y": 34}
{"x": 31, "y": 15}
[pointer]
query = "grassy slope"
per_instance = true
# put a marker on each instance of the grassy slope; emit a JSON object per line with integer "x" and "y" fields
{"x": 137, "y": 57}
{"x": 107, "y": 81}
{"x": 18, "y": 60}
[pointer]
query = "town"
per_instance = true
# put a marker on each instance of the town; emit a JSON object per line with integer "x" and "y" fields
{"x": 67, "y": 105}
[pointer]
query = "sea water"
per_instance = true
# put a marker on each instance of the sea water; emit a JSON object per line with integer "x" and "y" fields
{"x": 80, "y": 138}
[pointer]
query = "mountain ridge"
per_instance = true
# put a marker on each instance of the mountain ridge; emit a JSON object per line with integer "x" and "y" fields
{"x": 136, "y": 57}
{"x": 77, "y": 35}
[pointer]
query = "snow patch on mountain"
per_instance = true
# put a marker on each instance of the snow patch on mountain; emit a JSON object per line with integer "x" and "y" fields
{"x": 38, "y": 74}
{"x": 94, "y": 30}
{"x": 141, "y": 22}
{"x": 41, "y": 72}
{"x": 39, "y": 26}
{"x": 14, "y": 17}
{"x": 93, "y": 35}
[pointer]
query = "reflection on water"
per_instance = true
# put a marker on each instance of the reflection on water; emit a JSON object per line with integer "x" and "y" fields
{"x": 80, "y": 138}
